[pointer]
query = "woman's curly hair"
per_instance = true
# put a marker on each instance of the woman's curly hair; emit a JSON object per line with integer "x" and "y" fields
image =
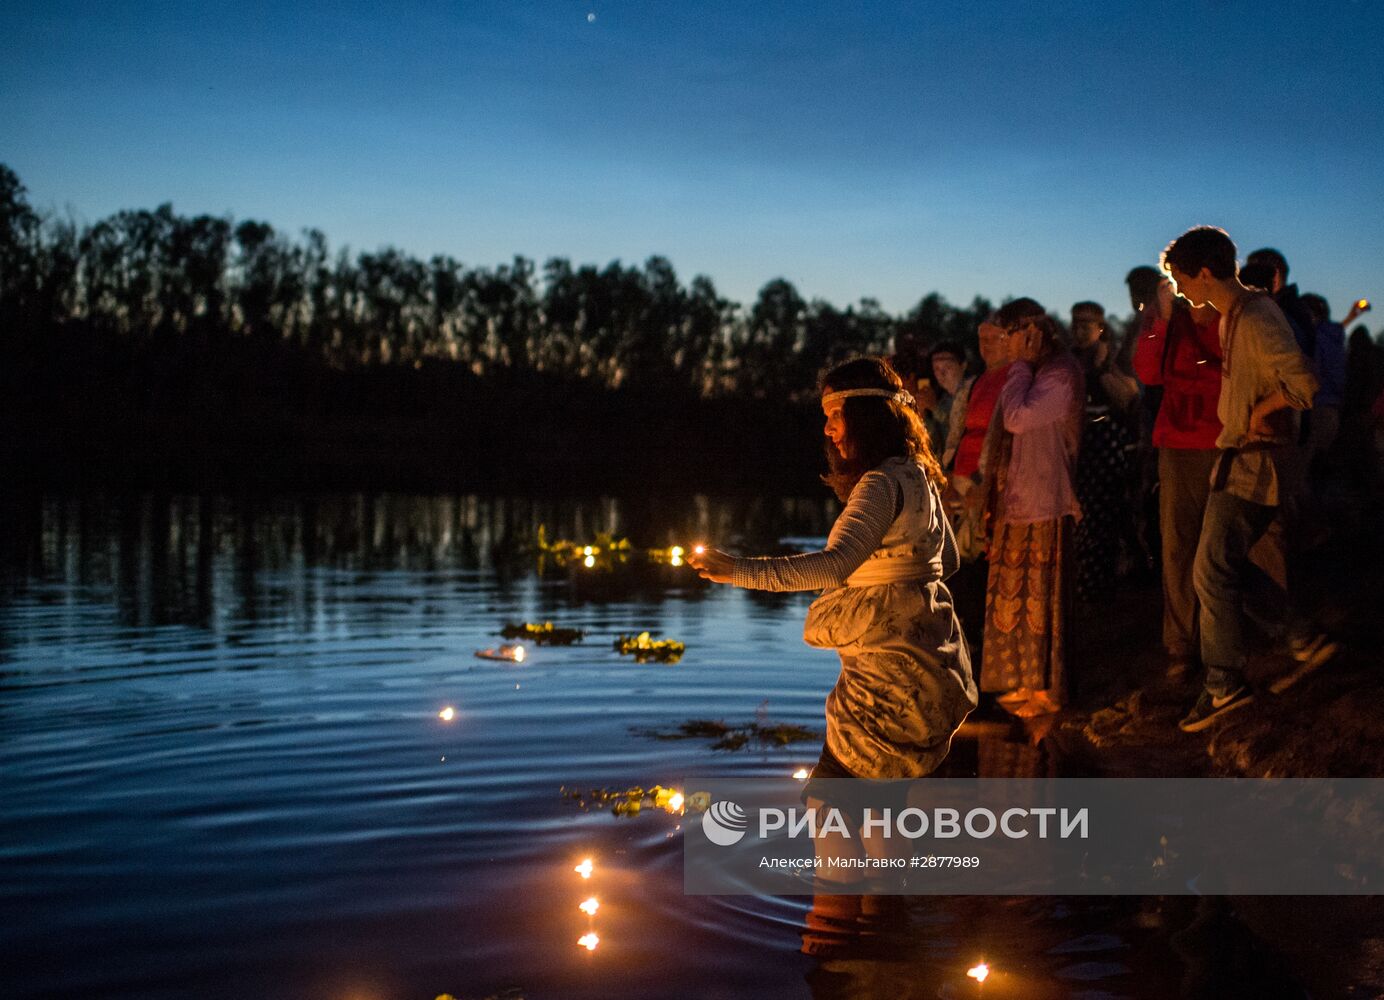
{"x": 877, "y": 428}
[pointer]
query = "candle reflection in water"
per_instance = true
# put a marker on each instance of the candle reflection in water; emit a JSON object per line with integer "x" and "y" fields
{"x": 978, "y": 972}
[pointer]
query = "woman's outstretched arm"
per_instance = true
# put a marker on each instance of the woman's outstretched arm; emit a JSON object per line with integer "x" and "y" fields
{"x": 870, "y": 509}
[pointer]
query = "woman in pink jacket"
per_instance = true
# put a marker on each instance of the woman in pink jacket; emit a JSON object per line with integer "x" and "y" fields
{"x": 1031, "y": 463}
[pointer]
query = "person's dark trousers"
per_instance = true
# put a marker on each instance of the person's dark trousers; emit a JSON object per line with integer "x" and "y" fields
{"x": 1220, "y": 575}
{"x": 1184, "y": 482}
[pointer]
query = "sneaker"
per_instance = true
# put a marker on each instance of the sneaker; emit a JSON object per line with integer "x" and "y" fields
{"x": 1313, "y": 652}
{"x": 1209, "y": 708}
{"x": 1308, "y": 655}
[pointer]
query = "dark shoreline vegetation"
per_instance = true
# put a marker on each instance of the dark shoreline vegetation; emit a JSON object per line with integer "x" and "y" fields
{"x": 156, "y": 350}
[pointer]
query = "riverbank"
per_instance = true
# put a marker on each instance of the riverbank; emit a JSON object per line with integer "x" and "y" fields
{"x": 1329, "y": 724}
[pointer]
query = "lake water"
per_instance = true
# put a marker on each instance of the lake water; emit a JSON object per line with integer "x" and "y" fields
{"x": 225, "y": 773}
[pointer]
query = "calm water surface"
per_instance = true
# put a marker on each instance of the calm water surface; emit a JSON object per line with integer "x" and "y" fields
{"x": 225, "y": 774}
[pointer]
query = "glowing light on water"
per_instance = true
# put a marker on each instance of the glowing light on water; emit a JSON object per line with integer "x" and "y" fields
{"x": 589, "y": 561}
{"x": 588, "y": 551}
{"x": 675, "y": 555}
{"x": 801, "y": 774}
{"x": 585, "y": 868}
{"x": 675, "y": 802}
{"x": 591, "y": 18}
{"x": 978, "y": 972}
{"x": 589, "y": 941}
{"x": 518, "y": 654}
{"x": 699, "y": 549}
{"x": 590, "y": 906}
{"x": 447, "y": 714}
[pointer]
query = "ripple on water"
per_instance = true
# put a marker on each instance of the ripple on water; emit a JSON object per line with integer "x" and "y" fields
{"x": 235, "y": 772}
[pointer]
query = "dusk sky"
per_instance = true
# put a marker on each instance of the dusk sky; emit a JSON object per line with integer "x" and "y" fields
{"x": 857, "y": 150}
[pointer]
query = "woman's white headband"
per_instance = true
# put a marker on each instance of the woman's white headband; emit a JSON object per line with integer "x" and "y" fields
{"x": 899, "y": 396}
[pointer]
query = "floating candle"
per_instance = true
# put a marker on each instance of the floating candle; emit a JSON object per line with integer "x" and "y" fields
{"x": 978, "y": 972}
{"x": 584, "y": 869}
{"x": 447, "y": 714}
{"x": 590, "y": 906}
{"x": 589, "y": 941}
{"x": 801, "y": 774}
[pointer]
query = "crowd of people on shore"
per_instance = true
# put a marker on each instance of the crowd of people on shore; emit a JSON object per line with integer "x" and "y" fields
{"x": 1017, "y": 495}
{"x": 1073, "y": 460}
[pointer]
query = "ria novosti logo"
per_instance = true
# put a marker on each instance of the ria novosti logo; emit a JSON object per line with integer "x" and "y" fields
{"x": 724, "y": 823}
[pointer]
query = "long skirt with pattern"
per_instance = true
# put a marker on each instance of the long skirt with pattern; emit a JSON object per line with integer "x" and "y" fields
{"x": 1027, "y": 600}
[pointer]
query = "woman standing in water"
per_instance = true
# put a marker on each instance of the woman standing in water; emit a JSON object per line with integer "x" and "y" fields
{"x": 905, "y": 684}
{"x": 1032, "y": 445}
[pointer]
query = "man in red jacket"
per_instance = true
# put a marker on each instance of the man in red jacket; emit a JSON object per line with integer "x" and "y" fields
{"x": 1179, "y": 348}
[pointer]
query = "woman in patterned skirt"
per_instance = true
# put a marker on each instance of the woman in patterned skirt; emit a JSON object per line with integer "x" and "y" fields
{"x": 1033, "y": 444}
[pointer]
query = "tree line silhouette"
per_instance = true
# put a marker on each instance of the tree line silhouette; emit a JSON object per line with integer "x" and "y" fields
{"x": 129, "y": 327}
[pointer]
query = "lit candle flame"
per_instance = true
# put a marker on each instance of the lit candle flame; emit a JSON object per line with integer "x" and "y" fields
{"x": 590, "y": 906}
{"x": 584, "y": 869}
{"x": 978, "y": 972}
{"x": 801, "y": 774}
{"x": 447, "y": 714}
{"x": 699, "y": 549}
{"x": 518, "y": 654}
{"x": 677, "y": 551}
{"x": 589, "y": 941}
{"x": 675, "y": 802}
{"x": 589, "y": 561}
{"x": 588, "y": 551}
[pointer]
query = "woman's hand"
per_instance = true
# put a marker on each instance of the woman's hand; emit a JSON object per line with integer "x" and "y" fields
{"x": 711, "y": 564}
{"x": 1025, "y": 343}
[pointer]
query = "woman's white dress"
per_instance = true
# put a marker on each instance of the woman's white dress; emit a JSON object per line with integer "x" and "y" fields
{"x": 905, "y": 684}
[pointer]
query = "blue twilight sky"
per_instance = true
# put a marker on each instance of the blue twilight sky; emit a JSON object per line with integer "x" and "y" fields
{"x": 875, "y": 149}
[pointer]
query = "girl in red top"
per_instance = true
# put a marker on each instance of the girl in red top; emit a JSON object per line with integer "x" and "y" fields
{"x": 1180, "y": 349}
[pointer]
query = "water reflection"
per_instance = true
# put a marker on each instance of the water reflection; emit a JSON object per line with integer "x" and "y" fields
{"x": 273, "y": 704}
{"x": 178, "y": 559}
